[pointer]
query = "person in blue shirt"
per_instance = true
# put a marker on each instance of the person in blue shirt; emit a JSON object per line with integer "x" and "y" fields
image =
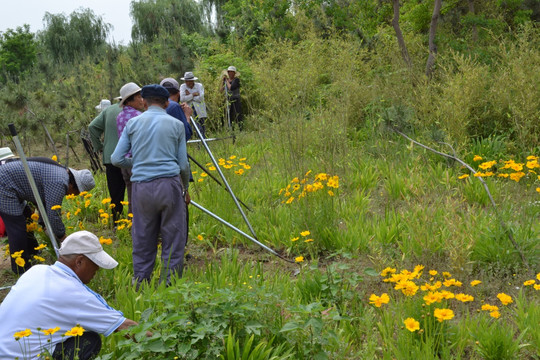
{"x": 160, "y": 177}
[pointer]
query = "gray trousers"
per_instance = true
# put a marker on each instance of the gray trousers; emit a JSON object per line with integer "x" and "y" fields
{"x": 158, "y": 208}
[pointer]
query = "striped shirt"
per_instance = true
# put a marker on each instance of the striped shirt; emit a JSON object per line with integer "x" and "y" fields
{"x": 52, "y": 183}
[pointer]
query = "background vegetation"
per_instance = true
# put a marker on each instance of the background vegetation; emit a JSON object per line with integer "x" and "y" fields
{"x": 324, "y": 84}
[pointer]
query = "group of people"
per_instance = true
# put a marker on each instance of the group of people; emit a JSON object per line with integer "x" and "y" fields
{"x": 144, "y": 151}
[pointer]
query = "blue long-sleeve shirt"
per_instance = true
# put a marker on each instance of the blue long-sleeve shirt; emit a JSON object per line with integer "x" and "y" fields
{"x": 157, "y": 143}
{"x": 175, "y": 110}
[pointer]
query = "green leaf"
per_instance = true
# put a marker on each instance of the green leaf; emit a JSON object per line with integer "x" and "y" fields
{"x": 291, "y": 326}
{"x": 371, "y": 272}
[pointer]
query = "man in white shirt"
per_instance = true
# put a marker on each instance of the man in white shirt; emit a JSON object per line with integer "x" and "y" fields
{"x": 47, "y": 297}
{"x": 192, "y": 93}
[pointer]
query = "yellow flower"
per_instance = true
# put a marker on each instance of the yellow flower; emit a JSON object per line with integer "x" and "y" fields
{"x": 200, "y": 180}
{"x": 505, "y": 299}
{"x": 487, "y": 307}
{"x": 330, "y": 192}
{"x": 299, "y": 259}
{"x": 538, "y": 276}
{"x": 87, "y": 203}
{"x": 321, "y": 176}
{"x": 200, "y": 237}
{"x": 433, "y": 272}
{"x": 529, "y": 282}
{"x": 379, "y": 300}
{"x": 17, "y": 254}
{"x": 20, "y": 262}
{"x": 290, "y": 200}
{"x": 70, "y": 196}
{"x": 475, "y": 282}
{"x": 50, "y": 331}
{"x": 477, "y": 158}
{"x": 21, "y": 334}
{"x": 78, "y": 211}
{"x": 88, "y": 196}
{"x": 464, "y": 297}
{"x": 125, "y": 203}
{"x": 247, "y": 167}
{"x": 308, "y": 240}
{"x": 446, "y": 274}
{"x": 447, "y": 294}
{"x": 40, "y": 246}
{"x": 106, "y": 201}
{"x": 102, "y": 240}
{"x": 34, "y": 216}
{"x": 39, "y": 258}
{"x": 75, "y": 331}
{"x": 204, "y": 174}
{"x": 443, "y": 314}
{"x": 430, "y": 287}
{"x": 387, "y": 271}
{"x": 536, "y": 286}
{"x": 295, "y": 239}
{"x": 487, "y": 165}
{"x": 495, "y": 314}
{"x": 517, "y": 176}
{"x": 433, "y": 297}
{"x": 239, "y": 172}
{"x": 104, "y": 215}
{"x": 305, "y": 233}
{"x": 411, "y": 324}
{"x": 56, "y": 207}
{"x": 112, "y": 206}
{"x": 464, "y": 176}
{"x": 54, "y": 158}
{"x": 83, "y": 193}
{"x": 232, "y": 157}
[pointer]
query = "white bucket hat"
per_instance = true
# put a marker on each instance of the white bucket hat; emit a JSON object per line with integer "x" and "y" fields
{"x": 188, "y": 76}
{"x": 103, "y": 104}
{"x": 5, "y": 153}
{"x": 231, "y": 68}
{"x": 87, "y": 244}
{"x": 128, "y": 90}
{"x": 84, "y": 179}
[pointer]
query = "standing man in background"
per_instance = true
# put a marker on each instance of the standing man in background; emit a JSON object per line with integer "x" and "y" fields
{"x": 192, "y": 93}
{"x": 231, "y": 86}
{"x": 105, "y": 124}
{"x": 160, "y": 180}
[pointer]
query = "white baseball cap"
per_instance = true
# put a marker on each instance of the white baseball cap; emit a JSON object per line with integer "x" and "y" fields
{"x": 87, "y": 244}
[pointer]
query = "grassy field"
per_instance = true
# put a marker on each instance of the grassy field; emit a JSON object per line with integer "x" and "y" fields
{"x": 378, "y": 230}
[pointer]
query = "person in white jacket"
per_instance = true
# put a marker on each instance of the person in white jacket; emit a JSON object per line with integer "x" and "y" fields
{"x": 192, "y": 93}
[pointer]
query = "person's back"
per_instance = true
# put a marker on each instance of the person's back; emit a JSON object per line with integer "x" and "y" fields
{"x": 155, "y": 139}
{"x": 105, "y": 123}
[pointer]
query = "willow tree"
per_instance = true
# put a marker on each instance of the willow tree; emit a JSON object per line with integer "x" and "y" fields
{"x": 18, "y": 50}
{"x": 153, "y": 17}
{"x": 69, "y": 38}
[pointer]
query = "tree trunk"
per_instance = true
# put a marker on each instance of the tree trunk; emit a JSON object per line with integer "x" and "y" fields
{"x": 432, "y": 31}
{"x": 474, "y": 28}
{"x": 399, "y": 34}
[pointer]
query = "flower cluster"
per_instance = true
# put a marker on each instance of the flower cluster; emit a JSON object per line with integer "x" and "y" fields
{"x": 239, "y": 168}
{"x": 509, "y": 169}
{"x": 299, "y": 188}
{"x": 437, "y": 292}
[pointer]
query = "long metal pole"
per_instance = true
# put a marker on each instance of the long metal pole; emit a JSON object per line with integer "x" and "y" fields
{"x": 35, "y": 191}
{"x": 214, "y": 178}
{"x": 208, "y": 212}
{"x": 222, "y": 176}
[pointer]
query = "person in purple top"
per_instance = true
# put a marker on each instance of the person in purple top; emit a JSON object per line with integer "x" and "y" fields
{"x": 132, "y": 105}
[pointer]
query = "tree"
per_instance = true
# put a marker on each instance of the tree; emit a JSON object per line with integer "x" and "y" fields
{"x": 83, "y": 33}
{"x": 152, "y": 17}
{"x": 399, "y": 34}
{"x": 17, "y": 51}
{"x": 432, "y": 30}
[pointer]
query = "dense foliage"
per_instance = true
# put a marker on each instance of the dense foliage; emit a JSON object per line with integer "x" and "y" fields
{"x": 369, "y": 217}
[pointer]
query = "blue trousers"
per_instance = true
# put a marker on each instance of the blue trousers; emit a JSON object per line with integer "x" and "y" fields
{"x": 158, "y": 209}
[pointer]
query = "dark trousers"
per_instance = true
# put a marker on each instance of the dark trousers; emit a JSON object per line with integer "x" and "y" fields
{"x": 126, "y": 174}
{"x": 19, "y": 239}
{"x": 117, "y": 188}
{"x": 235, "y": 112}
{"x": 158, "y": 208}
{"x": 89, "y": 345}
